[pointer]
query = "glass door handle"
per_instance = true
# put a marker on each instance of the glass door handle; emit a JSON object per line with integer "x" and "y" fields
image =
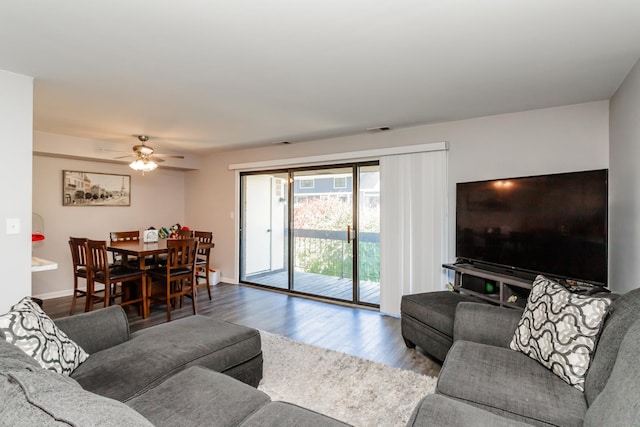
{"x": 348, "y": 234}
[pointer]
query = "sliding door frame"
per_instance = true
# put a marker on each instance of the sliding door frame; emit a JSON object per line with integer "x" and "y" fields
{"x": 355, "y": 280}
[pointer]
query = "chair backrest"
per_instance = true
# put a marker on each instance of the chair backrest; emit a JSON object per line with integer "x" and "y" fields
{"x": 78, "y": 246}
{"x": 204, "y": 237}
{"x": 181, "y": 253}
{"x": 184, "y": 234}
{"x": 121, "y": 236}
{"x": 98, "y": 259}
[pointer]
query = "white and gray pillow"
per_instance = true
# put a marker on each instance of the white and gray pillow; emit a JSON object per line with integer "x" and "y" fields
{"x": 30, "y": 329}
{"x": 560, "y": 329}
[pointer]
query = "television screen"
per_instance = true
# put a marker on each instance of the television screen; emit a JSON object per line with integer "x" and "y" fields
{"x": 550, "y": 224}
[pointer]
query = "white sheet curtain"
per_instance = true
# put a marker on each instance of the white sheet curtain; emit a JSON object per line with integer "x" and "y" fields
{"x": 413, "y": 226}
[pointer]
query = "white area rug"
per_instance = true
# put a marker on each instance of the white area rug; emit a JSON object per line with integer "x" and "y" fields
{"x": 353, "y": 390}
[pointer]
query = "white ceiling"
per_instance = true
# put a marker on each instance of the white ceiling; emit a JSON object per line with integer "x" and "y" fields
{"x": 209, "y": 74}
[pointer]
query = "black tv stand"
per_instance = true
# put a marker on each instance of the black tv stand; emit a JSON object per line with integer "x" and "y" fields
{"x": 500, "y": 270}
{"x": 510, "y": 290}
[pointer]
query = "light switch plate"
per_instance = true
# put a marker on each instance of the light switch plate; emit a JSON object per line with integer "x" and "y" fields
{"x": 13, "y": 225}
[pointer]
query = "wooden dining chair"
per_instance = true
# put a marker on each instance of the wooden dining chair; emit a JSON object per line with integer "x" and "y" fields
{"x": 203, "y": 258}
{"x": 124, "y": 236}
{"x": 78, "y": 246}
{"x": 132, "y": 281}
{"x": 177, "y": 278}
{"x": 133, "y": 236}
{"x": 184, "y": 234}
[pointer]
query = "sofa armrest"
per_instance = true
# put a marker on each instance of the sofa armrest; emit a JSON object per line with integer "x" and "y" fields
{"x": 97, "y": 330}
{"x": 485, "y": 324}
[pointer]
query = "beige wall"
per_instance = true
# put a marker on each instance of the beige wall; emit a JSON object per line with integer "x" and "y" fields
{"x": 16, "y": 112}
{"x": 542, "y": 141}
{"x": 561, "y": 139}
{"x": 624, "y": 184}
{"x": 157, "y": 199}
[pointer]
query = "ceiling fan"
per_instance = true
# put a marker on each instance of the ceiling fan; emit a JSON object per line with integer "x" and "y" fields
{"x": 146, "y": 159}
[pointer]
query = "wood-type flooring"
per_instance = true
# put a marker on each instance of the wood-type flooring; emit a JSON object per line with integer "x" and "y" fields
{"x": 361, "y": 332}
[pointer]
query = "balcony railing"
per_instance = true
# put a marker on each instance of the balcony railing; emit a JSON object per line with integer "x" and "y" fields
{"x": 327, "y": 252}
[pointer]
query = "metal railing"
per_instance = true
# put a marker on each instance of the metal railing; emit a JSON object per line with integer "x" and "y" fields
{"x": 327, "y": 252}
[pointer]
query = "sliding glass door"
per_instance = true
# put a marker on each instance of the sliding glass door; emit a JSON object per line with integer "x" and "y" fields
{"x": 323, "y": 232}
{"x": 369, "y": 234}
{"x": 264, "y": 231}
{"x": 327, "y": 231}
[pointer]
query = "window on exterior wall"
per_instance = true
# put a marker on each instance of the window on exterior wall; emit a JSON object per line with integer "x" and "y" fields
{"x": 340, "y": 182}
{"x": 307, "y": 183}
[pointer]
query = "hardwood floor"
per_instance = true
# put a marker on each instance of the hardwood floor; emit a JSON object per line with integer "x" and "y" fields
{"x": 357, "y": 331}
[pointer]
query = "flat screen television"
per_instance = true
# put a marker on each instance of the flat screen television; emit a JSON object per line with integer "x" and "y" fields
{"x": 549, "y": 224}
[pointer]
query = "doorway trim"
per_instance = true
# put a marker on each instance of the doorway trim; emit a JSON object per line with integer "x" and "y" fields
{"x": 347, "y": 157}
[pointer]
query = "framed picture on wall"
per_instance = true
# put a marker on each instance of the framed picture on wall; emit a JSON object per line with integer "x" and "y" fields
{"x": 95, "y": 189}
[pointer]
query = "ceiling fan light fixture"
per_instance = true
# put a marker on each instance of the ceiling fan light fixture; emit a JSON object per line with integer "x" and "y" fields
{"x": 144, "y": 165}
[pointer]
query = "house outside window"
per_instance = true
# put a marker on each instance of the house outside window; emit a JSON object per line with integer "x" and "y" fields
{"x": 340, "y": 182}
{"x": 307, "y": 183}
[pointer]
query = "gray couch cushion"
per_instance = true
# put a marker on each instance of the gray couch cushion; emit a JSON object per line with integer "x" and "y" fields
{"x": 282, "y": 414}
{"x": 199, "y": 396}
{"x": 111, "y": 323}
{"x": 479, "y": 323}
{"x": 511, "y": 384}
{"x": 619, "y": 404}
{"x": 123, "y": 371}
{"x": 438, "y": 410}
{"x": 622, "y": 314}
{"x": 35, "y": 396}
{"x": 436, "y": 309}
{"x": 11, "y": 357}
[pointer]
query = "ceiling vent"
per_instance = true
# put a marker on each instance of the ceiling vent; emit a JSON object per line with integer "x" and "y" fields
{"x": 380, "y": 129}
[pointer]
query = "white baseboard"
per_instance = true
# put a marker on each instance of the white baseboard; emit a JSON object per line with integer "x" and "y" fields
{"x": 69, "y": 292}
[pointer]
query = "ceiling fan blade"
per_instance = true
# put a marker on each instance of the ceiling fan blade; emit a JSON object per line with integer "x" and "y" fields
{"x": 171, "y": 156}
{"x": 108, "y": 150}
{"x": 142, "y": 151}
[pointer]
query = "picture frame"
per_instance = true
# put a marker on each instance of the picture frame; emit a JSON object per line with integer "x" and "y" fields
{"x": 81, "y": 188}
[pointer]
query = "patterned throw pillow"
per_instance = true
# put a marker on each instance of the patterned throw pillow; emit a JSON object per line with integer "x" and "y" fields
{"x": 31, "y": 330}
{"x": 560, "y": 329}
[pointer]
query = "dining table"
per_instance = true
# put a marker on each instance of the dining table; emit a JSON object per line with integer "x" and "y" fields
{"x": 143, "y": 250}
{"x": 139, "y": 249}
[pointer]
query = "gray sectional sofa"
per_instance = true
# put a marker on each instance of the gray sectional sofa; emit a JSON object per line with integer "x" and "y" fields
{"x": 484, "y": 383}
{"x": 172, "y": 375}
{"x": 168, "y": 375}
